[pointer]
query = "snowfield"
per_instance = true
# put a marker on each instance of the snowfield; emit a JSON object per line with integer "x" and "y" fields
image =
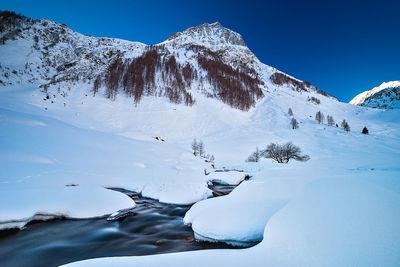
{"x": 339, "y": 208}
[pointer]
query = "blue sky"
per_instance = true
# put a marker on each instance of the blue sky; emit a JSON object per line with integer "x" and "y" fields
{"x": 342, "y": 47}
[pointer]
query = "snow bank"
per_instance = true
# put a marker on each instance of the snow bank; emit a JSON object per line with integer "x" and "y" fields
{"x": 332, "y": 222}
{"x": 338, "y": 222}
{"x": 240, "y": 217}
{"x": 56, "y": 201}
{"x": 178, "y": 192}
{"x": 229, "y": 178}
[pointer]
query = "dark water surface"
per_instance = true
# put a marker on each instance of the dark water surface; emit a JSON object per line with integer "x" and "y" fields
{"x": 150, "y": 228}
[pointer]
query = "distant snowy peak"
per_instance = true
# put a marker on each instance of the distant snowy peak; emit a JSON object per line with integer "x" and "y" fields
{"x": 212, "y": 35}
{"x": 385, "y": 96}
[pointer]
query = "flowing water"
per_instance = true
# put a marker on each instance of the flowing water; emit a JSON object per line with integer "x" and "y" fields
{"x": 150, "y": 228}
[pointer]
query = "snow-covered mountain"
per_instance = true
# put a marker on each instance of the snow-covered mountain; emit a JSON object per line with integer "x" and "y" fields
{"x": 385, "y": 96}
{"x": 207, "y": 59}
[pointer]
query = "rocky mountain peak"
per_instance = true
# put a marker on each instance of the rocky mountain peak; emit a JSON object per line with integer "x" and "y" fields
{"x": 213, "y": 35}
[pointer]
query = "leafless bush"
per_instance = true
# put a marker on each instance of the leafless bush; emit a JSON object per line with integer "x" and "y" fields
{"x": 283, "y": 153}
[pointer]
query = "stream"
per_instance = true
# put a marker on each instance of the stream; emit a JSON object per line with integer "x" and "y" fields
{"x": 150, "y": 228}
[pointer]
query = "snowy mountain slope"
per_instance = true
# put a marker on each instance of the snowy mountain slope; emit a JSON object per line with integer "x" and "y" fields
{"x": 385, "y": 96}
{"x": 209, "y": 59}
{"x": 43, "y": 52}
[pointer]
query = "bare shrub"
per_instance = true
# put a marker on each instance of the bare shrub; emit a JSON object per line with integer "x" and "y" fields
{"x": 283, "y": 153}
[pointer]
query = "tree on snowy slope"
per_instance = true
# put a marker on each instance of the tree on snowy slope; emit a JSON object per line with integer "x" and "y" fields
{"x": 198, "y": 148}
{"x": 284, "y": 153}
{"x": 195, "y": 147}
{"x": 319, "y": 117}
{"x": 212, "y": 158}
{"x": 202, "y": 151}
{"x": 96, "y": 85}
{"x": 294, "y": 123}
{"x": 345, "y": 126}
{"x": 331, "y": 121}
